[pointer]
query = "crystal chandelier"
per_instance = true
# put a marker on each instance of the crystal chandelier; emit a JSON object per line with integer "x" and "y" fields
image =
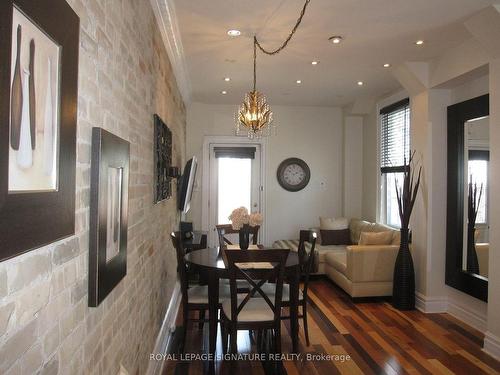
{"x": 254, "y": 115}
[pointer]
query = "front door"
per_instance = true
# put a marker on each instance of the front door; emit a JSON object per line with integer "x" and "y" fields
{"x": 235, "y": 181}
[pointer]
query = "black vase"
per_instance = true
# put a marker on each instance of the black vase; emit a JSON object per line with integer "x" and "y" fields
{"x": 403, "y": 287}
{"x": 244, "y": 237}
{"x": 472, "y": 262}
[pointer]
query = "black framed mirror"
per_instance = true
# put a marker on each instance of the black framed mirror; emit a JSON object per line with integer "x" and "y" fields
{"x": 467, "y": 237}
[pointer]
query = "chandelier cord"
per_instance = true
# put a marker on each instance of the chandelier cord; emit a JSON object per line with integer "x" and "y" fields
{"x": 254, "y": 62}
{"x": 279, "y": 49}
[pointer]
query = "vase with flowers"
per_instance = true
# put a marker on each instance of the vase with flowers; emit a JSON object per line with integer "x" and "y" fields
{"x": 474, "y": 199}
{"x": 242, "y": 221}
{"x": 403, "y": 289}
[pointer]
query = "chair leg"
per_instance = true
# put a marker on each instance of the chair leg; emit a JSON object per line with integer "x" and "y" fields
{"x": 259, "y": 340}
{"x": 277, "y": 338}
{"x": 304, "y": 317}
{"x": 233, "y": 339}
{"x": 224, "y": 335}
{"x": 185, "y": 320}
{"x": 201, "y": 317}
{"x": 277, "y": 348}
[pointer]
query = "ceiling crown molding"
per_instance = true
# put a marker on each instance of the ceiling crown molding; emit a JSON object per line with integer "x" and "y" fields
{"x": 164, "y": 11}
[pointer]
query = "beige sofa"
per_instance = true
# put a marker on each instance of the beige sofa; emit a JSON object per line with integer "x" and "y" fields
{"x": 361, "y": 270}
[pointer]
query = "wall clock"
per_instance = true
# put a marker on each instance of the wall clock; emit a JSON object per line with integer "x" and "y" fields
{"x": 293, "y": 174}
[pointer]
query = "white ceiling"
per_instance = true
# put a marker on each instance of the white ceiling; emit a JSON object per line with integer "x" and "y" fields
{"x": 374, "y": 31}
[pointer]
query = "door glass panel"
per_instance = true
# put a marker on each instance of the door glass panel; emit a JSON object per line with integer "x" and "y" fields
{"x": 234, "y": 186}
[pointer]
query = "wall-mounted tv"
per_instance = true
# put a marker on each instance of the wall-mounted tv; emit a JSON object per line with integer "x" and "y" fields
{"x": 186, "y": 184}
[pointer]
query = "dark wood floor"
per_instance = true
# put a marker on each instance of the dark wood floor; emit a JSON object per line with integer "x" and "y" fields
{"x": 378, "y": 339}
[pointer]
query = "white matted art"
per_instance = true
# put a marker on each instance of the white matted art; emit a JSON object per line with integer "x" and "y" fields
{"x": 34, "y": 109}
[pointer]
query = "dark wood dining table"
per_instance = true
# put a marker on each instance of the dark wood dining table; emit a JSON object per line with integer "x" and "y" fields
{"x": 210, "y": 262}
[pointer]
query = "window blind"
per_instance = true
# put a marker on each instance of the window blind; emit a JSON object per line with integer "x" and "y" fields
{"x": 235, "y": 152}
{"x": 395, "y": 136}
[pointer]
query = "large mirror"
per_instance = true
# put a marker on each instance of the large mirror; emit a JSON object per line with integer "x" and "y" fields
{"x": 476, "y": 204}
{"x": 467, "y": 244}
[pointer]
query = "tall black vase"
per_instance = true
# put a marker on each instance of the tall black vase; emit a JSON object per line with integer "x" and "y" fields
{"x": 244, "y": 237}
{"x": 472, "y": 262}
{"x": 403, "y": 287}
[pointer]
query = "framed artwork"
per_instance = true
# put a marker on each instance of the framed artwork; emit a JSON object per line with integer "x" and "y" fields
{"x": 108, "y": 213}
{"x": 162, "y": 160}
{"x": 39, "y": 76}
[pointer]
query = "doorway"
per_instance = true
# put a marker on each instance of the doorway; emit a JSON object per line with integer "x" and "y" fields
{"x": 235, "y": 180}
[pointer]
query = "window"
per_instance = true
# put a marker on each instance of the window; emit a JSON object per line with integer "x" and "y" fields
{"x": 394, "y": 151}
{"x": 234, "y": 179}
{"x": 234, "y": 182}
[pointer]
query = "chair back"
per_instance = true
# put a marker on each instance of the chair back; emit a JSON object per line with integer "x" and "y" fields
{"x": 306, "y": 259}
{"x": 257, "y": 267}
{"x": 180, "y": 250}
{"x": 224, "y": 229}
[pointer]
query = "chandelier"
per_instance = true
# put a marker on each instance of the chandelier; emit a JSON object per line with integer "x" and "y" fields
{"x": 254, "y": 115}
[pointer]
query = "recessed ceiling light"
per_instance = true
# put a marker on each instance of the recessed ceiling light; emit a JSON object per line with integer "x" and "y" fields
{"x": 223, "y": 92}
{"x": 336, "y": 39}
{"x": 387, "y": 65}
{"x": 299, "y": 82}
{"x": 360, "y": 83}
{"x": 314, "y": 62}
{"x": 419, "y": 42}
{"x": 234, "y": 32}
{"x": 227, "y": 79}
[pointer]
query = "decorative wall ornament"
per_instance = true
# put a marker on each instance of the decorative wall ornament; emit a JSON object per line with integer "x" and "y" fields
{"x": 108, "y": 213}
{"x": 293, "y": 174}
{"x": 162, "y": 160}
{"x": 39, "y": 77}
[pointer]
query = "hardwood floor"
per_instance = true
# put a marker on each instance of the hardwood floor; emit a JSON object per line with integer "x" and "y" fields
{"x": 364, "y": 338}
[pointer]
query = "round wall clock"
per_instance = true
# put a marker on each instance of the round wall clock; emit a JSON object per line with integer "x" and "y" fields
{"x": 293, "y": 174}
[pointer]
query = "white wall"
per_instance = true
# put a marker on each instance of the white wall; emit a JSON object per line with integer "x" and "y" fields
{"x": 370, "y": 166}
{"x": 492, "y": 340}
{"x": 429, "y": 124}
{"x": 314, "y": 134}
{"x": 463, "y": 306}
{"x": 353, "y": 166}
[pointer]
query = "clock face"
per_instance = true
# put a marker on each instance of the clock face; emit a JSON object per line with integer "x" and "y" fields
{"x": 293, "y": 174}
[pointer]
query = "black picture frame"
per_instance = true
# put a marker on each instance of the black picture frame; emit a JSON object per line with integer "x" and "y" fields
{"x": 162, "y": 160}
{"x": 32, "y": 219}
{"x": 281, "y": 178}
{"x": 109, "y": 153}
{"x": 472, "y": 284}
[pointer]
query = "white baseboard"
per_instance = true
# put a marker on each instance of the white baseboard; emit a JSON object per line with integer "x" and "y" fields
{"x": 155, "y": 367}
{"x": 492, "y": 345}
{"x": 468, "y": 316}
{"x": 430, "y": 304}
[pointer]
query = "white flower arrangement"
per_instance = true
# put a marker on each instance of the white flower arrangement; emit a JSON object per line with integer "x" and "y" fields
{"x": 255, "y": 219}
{"x": 240, "y": 217}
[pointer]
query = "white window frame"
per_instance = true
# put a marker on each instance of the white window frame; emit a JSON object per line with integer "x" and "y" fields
{"x": 381, "y": 186}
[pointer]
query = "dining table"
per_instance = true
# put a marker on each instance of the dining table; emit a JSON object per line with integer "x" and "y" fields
{"x": 210, "y": 262}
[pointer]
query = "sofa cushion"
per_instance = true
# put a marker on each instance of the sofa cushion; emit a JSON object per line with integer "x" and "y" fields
{"x": 376, "y": 238}
{"x": 335, "y": 237}
{"x": 356, "y": 226}
{"x": 337, "y": 260}
{"x": 330, "y": 223}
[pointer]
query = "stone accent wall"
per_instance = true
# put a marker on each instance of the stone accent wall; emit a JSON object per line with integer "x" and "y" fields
{"x": 45, "y": 324}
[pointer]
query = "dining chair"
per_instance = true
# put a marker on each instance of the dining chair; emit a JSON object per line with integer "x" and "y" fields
{"x": 225, "y": 229}
{"x": 194, "y": 298}
{"x": 254, "y": 310}
{"x": 306, "y": 261}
